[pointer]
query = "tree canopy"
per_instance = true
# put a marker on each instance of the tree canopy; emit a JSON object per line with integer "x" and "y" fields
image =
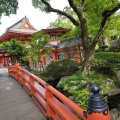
{"x": 92, "y": 17}
{"x": 15, "y": 48}
{"x": 37, "y": 43}
{"x": 8, "y": 7}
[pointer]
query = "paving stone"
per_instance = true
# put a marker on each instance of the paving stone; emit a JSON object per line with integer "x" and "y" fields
{"x": 15, "y": 103}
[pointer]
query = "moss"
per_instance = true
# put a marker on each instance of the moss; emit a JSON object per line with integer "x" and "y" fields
{"x": 78, "y": 81}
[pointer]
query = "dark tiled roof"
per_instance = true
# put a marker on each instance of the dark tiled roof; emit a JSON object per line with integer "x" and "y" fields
{"x": 68, "y": 43}
{"x": 49, "y": 45}
{"x": 52, "y": 27}
{"x": 55, "y": 28}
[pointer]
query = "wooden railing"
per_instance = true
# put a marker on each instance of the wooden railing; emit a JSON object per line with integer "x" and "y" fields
{"x": 53, "y": 104}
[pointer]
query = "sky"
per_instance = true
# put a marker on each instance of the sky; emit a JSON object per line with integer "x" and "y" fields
{"x": 38, "y": 19}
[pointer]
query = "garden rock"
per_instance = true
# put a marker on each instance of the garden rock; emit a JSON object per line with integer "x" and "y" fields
{"x": 113, "y": 92}
{"x": 118, "y": 77}
{"x": 61, "y": 80}
{"x": 114, "y": 114}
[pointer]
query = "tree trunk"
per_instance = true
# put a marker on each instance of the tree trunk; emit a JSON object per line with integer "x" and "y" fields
{"x": 88, "y": 58}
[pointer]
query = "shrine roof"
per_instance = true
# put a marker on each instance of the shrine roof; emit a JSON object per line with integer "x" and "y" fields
{"x": 68, "y": 43}
{"x": 21, "y": 23}
{"x": 25, "y": 31}
{"x": 49, "y": 45}
{"x": 55, "y": 28}
{"x": 52, "y": 27}
{"x": 23, "y": 26}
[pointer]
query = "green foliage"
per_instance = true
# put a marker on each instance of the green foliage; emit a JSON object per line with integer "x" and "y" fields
{"x": 62, "y": 21}
{"x": 8, "y": 7}
{"x": 38, "y": 4}
{"x": 112, "y": 30}
{"x": 15, "y": 48}
{"x": 80, "y": 80}
{"x": 93, "y": 12}
{"x": 5, "y": 45}
{"x": 61, "y": 68}
{"x": 37, "y": 43}
{"x": 82, "y": 97}
{"x": 25, "y": 60}
{"x": 107, "y": 62}
{"x": 92, "y": 18}
{"x": 75, "y": 86}
{"x": 114, "y": 37}
{"x": 74, "y": 33}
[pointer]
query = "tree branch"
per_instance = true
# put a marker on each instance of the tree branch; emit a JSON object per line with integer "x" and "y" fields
{"x": 83, "y": 2}
{"x": 106, "y": 14}
{"x": 50, "y": 9}
{"x": 74, "y": 7}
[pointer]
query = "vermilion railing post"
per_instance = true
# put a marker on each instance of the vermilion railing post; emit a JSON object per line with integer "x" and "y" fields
{"x": 48, "y": 95}
{"x": 32, "y": 91}
{"x": 13, "y": 71}
{"x": 16, "y": 70}
{"x": 22, "y": 75}
{"x": 17, "y": 64}
{"x": 97, "y": 108}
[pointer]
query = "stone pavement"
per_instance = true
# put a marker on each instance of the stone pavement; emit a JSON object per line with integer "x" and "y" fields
{"x": 15, "y": 103}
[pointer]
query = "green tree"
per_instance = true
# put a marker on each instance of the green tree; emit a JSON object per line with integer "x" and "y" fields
{"x": 61, "y": 21}
{"x": 73, "y": 37}
{"x": 8, "y": 7}
{"x": 74, "y": 40}
{"x": 15, "y": 48}
{"x": 91, "y": 17}
{"x": 112, "y": 27}
{"x": 37, "y": 43}
{"x": 33, "y": 57}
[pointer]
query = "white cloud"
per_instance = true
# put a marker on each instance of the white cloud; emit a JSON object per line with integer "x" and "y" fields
{"x": 38, "y": 19}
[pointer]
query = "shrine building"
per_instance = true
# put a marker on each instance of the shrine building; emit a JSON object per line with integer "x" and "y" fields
{"x": 23, "y": 30}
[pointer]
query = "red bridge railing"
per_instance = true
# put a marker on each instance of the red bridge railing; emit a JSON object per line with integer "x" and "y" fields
{"x": 53, "y": 104}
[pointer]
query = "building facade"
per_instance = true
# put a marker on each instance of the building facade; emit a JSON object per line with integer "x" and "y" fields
{"x": 23, "y": 30}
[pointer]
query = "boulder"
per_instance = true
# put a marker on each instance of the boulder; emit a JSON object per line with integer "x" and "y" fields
{"x": 114, "y": 44}
{"x": 72, "y": 87}
{"x": 114, "y": 91}
{"x": 61, "y": 80}
{"x": 115, "y": 114}
{"x": 87, "y": 86}
{"x": 109, "y": 82}
{"x": 118, "y": 77}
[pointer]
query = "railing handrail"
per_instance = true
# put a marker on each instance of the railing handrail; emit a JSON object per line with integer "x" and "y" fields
{"x": 50, "y": 100}
{"x": 67, "y": 101}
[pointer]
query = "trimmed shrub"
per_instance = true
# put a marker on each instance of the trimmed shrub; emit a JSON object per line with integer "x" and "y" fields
{"x": 61, "y": 68}
{"x": 107, "y": 62}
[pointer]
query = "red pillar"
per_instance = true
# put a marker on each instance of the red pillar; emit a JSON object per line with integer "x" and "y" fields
{"x": 43, "y": 60}
{"x": 54, "y": 55}
{"x": 76, "y": 57}
{"x": 67, "y": 55}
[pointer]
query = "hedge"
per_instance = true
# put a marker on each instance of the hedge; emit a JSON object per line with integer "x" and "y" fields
{"x": 61, "y": 68}
{"x": 107, "y": 62}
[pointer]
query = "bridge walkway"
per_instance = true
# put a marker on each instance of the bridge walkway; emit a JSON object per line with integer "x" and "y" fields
{"x": 15, "y": 103}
